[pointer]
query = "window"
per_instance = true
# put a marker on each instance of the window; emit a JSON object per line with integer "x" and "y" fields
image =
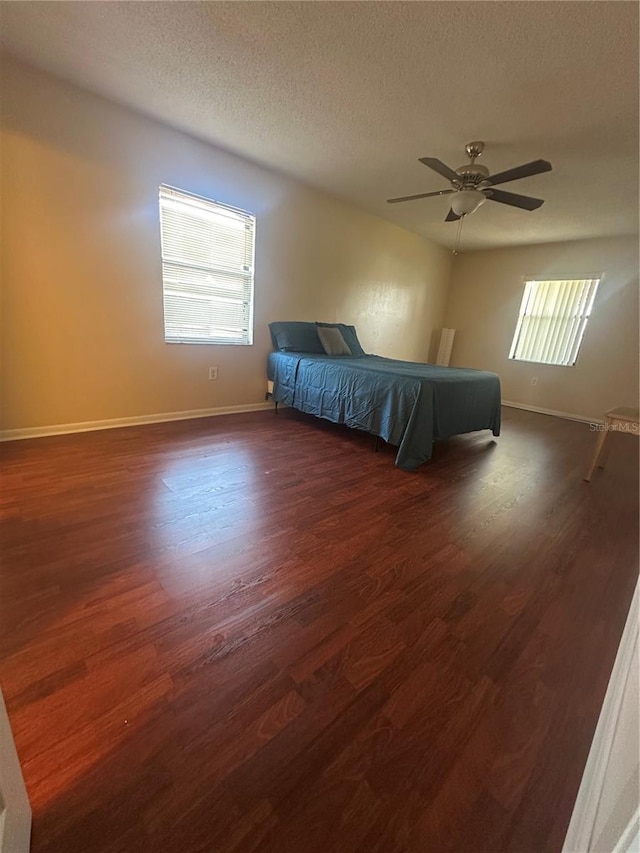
{"x": 552, "y": 320}
{"x": 207, "y": 270}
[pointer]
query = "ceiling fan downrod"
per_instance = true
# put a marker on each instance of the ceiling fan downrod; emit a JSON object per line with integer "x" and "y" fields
{"x": 474, "y": 150}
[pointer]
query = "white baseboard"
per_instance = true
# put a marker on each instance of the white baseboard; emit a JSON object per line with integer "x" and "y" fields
{"x": 138, "y": 420}
{"x": 164, "y": 417}
{"x": 566, "y": 415}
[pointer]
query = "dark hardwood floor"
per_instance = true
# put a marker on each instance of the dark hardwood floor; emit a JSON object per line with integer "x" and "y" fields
{"x": 253, "y": 633}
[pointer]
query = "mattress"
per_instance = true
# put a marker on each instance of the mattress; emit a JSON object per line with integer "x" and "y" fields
{"x": 408, "y": 404}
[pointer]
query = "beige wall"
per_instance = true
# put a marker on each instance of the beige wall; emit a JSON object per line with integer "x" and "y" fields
{"x": 484, "y": 298}
{"x": 82, "y": 297}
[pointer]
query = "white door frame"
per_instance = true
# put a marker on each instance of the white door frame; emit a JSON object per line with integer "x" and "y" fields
{"x": 613, "y": 756}
{"x": 15, "y": 811}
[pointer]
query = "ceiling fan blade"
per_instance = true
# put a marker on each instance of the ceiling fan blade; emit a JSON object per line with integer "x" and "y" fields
{"x": 525, "y": 202}
{"x": 420, "y": 195}
{"x": 536, "y": 167}
{"x": 439, "y": 167}
{"x": 451, "y": 216}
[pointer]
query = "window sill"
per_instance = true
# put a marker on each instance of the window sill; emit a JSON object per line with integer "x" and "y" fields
{"x": 211, "y": 343}
{"x": 543, "y": 363}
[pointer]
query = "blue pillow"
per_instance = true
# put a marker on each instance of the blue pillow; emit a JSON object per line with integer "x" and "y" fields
{"x": 294, "y": 336}
{"x": 349, "y": 334}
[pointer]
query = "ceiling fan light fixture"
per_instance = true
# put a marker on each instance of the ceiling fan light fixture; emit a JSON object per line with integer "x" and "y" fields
{"x": 465, "y": 202}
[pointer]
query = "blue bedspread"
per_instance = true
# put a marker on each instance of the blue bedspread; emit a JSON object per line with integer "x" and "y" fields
{"x": 409, "y": 405}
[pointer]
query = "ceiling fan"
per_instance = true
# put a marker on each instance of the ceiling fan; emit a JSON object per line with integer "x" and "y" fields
{"x": 473, "y": 185}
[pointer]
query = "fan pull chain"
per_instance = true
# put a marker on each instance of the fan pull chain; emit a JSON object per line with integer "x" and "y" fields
{"x": 458, "y": 235}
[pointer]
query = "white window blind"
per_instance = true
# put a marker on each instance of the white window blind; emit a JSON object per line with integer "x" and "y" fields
{"x": 552, "y": 320}
{"x": 207, "y": 270}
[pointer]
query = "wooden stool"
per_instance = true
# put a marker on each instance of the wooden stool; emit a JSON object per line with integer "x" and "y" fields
{"x": 618, "y": 420}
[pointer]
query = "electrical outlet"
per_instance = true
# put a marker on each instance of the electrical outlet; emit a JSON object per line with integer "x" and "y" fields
{"x": 213, "y": 373}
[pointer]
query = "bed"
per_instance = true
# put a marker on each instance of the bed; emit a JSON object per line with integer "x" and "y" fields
{"x": 409, "y": 405}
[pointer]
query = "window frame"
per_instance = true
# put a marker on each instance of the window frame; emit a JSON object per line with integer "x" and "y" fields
{"x": 247, "y": 338}
{"x": 586, "y": 316}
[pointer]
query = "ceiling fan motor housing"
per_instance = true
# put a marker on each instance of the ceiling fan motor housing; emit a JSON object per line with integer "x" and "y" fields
{"x": 471, "y": 175}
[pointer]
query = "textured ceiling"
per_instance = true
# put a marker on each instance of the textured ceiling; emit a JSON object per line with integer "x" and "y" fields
{"x": 346, "y": 96}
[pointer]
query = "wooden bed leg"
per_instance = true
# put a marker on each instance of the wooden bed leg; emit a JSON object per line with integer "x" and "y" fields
{"x": 377, "y": 445}
{"x": 268, "y": 396}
